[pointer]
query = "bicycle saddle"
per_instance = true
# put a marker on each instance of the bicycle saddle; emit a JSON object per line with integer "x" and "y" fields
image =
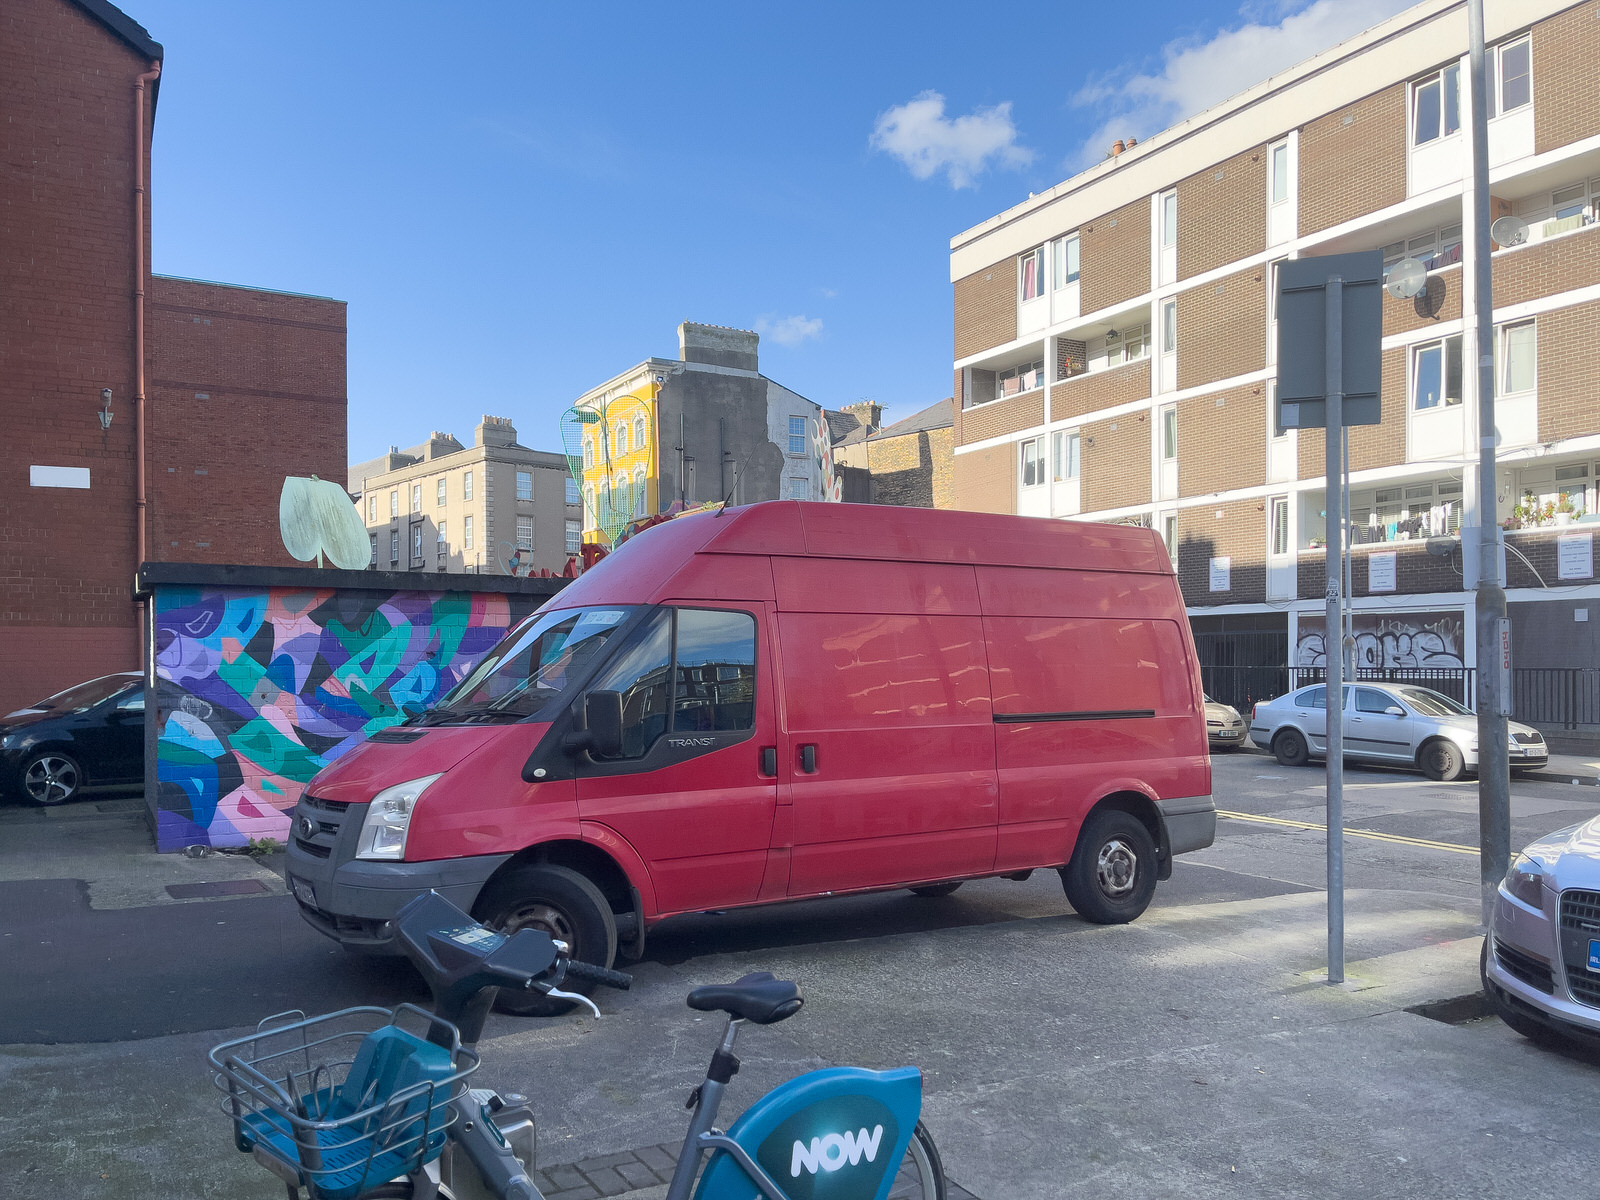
{"x": 760, "y": 997}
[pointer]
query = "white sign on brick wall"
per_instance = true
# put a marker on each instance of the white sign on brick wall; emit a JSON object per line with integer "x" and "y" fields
{"x": 1575, "y": 555}
{"x": 1381, "y": 572}
{"x": 61, "y": 477}
{"x": 1221, "y": 574}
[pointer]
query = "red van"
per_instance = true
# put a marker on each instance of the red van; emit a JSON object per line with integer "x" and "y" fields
{"x": 781, "y": 701}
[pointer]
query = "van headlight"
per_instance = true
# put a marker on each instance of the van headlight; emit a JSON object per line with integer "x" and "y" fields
{"x": 1525, "y": 881}
{"x": 383, "y": 832}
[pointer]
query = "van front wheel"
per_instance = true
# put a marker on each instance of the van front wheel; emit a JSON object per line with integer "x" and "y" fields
{"x": 565, "y": 905}
{"x": 1112, "y": 874}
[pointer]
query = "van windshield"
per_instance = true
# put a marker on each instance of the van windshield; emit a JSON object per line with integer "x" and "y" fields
{"x": 536, "y": 664}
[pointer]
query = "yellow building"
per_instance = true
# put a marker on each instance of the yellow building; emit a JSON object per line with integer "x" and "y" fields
{"x": 619, "y": 455}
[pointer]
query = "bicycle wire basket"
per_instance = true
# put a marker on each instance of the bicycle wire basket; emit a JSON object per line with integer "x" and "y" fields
{"x": 341, "y": 1103}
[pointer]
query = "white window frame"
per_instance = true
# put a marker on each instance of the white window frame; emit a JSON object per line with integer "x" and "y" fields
{"x": 1031, "y": 463}
{"x": 620, "y": 439}
{"x": 1442, "y": 345}
{"x": 416, "y": 497}
{"x": 525, "y": 533}
{"x": 1443, "y": 79}
{"x": 638, "y": 492}
{"x": 1066, "y": 261}
{"x": 796, "y": 445}
{"x": 1169, "y": 325}
{"x": 521, "y": 476}
{"x": 394, "y": 502}
{"x": 588, "y": 452}
{"x": 1169, "y": 535}
{"x": 1036, "y": 257}
{"x": 574, "y": 535}
{"x": 1066, "y": 455}
{"x": 442, "y": 491}
{"x": 1502, "y": 358}
{"x": 466, "y": 532}
{"x": 441, "y": 539}
{"x": 574, "y": 493}
{"x": 394, "y": 546}
{"x": 373, "y": 561}
{"x": 466, "y": 486}
{"x": 372, "y": 509}
{"x": 796, "y": 489}
{"x": 638, "y": 432}
{"x": 1278, "y": 543}
{"x": 1169, "y": 432}
{"x": 1278, "y": 153}
{"x": 416, "y": 543}
{"x": 1169, "y": 218}
{"x": 1020, "y": 373}
{"x": 1494, "y": 69}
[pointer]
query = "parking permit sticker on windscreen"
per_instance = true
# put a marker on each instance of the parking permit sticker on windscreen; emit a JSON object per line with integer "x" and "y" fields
{"x": 602, "y": 618}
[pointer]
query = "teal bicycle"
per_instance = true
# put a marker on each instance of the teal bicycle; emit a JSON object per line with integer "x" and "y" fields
{"x": 370, "y": 1103}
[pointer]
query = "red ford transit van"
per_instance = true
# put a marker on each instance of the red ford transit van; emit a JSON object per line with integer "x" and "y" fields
{"x": 781, "y": 701}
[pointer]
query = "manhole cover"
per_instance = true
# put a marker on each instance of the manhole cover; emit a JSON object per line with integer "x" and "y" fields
{"x": 219, "y": 887}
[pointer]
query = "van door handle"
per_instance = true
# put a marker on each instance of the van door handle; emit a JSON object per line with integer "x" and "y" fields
{"x": 808, "y": 758}
{"x": 769, "y": 761}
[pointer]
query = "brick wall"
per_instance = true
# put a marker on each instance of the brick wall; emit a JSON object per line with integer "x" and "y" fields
{"x": 1566, "y": 103}
{"x": 1000, "y": 417}
{"x": 1239, "y": 534}
{"x": 67, "y": 556}
{"x": 1441, "y": 302}
{"x": 911, "y": 470}
{"x": 246, "y": 387}
{"x": 1381, "y": 445}
{"x": 985, "y": 480}
{"x": 1541, "y": 547}
{"x": 1415, "y": 570}
{"x": 1567, "y": 339}
{"x": 1222, "y": 440}
{"x": 1222, "y": 328}
{"x": 1100, "y": 389}
{"x": 1547, "y": 268}
{"x": 1353, "y": 161}
{"x": 1114, "y": 254}
{"x": 986, "y": 309}
{"x": 1116, "y": 466}
{"x": 1222, "y": 213}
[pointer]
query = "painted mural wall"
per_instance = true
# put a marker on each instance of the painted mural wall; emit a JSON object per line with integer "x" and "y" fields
{"x": 1392, "y": 640}
{"x": 258, "y": 688}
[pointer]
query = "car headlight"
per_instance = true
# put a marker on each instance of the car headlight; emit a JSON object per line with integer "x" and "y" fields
{"x": 383, "y": 832}
{"x": 1525, "y": 881}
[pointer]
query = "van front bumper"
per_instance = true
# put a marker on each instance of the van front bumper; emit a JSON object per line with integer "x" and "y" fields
{"x": 1191, "y": 822}
{"x": 353, "y": 900}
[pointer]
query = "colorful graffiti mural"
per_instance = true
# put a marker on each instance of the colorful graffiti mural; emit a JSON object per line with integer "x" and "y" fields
{"x": 259, "y": 688}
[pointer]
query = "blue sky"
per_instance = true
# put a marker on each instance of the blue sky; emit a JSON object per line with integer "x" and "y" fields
{"x": 519, "y": 200}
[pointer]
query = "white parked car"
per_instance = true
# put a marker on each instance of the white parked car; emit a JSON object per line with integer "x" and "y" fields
{"x": 1541, "y": 959}
{"x": 1402, "y": 724}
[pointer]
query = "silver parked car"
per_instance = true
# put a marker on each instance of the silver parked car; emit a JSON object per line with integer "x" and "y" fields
{"x": 1541, "y": 960}
{"x": 1402, "y": 724}
{"x": 1224, "y": 726}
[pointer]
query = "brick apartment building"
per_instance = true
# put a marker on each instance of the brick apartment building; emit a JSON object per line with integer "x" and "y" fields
{"x": 239, "y": 387}
{"x": 1114, "y": 343}
{"x": 493, "y": 508}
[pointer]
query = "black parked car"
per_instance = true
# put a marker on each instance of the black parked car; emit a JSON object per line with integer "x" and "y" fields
{"x": 91, "y": 735}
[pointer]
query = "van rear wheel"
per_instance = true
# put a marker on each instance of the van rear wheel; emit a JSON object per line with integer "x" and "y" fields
{"x": 562, "y": 903}
{"x": 1112, "y": 874}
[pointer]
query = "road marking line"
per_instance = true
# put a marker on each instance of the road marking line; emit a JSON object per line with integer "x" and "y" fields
{"x": 1366, "y": 833}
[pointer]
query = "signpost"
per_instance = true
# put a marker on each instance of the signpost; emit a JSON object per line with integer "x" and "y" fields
{"x": 1330, "y": 325}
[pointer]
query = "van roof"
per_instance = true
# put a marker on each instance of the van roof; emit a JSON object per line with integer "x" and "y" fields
{"x": 797, "y": 528}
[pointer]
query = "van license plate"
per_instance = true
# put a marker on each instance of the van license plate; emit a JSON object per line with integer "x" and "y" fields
{"x": 303, "y": 892}
{"x": 1594, "y": 954}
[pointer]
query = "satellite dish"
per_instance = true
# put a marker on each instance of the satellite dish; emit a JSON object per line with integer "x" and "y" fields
{"x": 1509, "y": 231}
{"x": 1405, "y": 279}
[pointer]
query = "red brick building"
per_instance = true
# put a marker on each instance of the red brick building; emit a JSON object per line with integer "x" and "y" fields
{"x": 215, "y": 392}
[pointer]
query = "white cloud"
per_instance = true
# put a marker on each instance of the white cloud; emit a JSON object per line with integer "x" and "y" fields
{"x": 1195, "y": 73}
{"x": 921, "y": 136}
{"x": 789, "y": 331}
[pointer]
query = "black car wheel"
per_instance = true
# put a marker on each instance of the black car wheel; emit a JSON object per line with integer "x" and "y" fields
{"x": 565, "y": 905}
{"x": 1112, "y": 874}
{"x": 1290, "y": 748}
{"x": 51, "y": 778}
{"x": 1441, "y": 760}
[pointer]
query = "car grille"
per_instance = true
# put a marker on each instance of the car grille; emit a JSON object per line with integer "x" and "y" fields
{"x": 1525, "y": 967}
{"x": 1528, "y": 739}
{"x": 333, "y": 806}
{"x": 1580, "y": 922}
{"x": 327, "y": 818}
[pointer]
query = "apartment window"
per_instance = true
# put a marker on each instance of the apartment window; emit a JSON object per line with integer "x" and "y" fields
{"x": 795, "y": 489}
{"x": 524, "y": 485}
{"x": 797, "y": 435}
{"x": 621, "y": 438}
{"x": 1278, "y": 431}
{"x": 1436, "y": 106}
{"x": 466, "y": 486}
{"x": 1436, "y": 374}
{"x": 622, "y": 495}
{"x": 1280, "y": 173}
{"x": 638, "y": 433}
{"x": 1169, "y": 535}
{"x": 372, "y": 509}
{"x": 1169, "y": 218}
{"x": 442, "y": 539}
{"x": 638, "y": 492}
{"x": 1434, "y": 249}
{"x": 443, "y": 496}
{"x": 1127, "y": 345}
{"x": 1570, "y": 201}
{"x": 1023, "y": 377}
{"x": 1514, "y": 351}
{"x": 1169, "y": 432}
{"x": 373, "y": 561}
{"x": 1510, "y": 75}
{"x": 574, "y": 536}
{"x": 1032, "y": 267}
{"x": 416, "y": 497}
{"x": 1278, "y": 525}
{"x": 394, "y": 546}
{"x": 1065, "y": 454}
{"x": 466, "y": 533}
{"x": 573, "y": 495}
{"x": 394, "y": 503}
{"x": 1033, "y": 462}
{"x": 1169, "y": 326}
{"x": 524, "y": 533}
{"x": 1572, "y": 487}
{"x": 590, "y": 511}
{"x": 1066, "y": 264}
{"x": 416, "y": 543}
{"x": 588, "y": 452}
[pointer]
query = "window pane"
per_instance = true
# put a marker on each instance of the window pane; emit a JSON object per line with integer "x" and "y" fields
{"x": 1280, "y": 525}
{"x": 1280, "y": 174}
{"x": 1518, "y": 358}
{"x": 1516, "y": 86}
{"x": 1072, "y": 257}
{"x": 1169, "y": 219}
{"x": 1031, "y": 467}
{"x": 1488, "y": 81}
{"x": 1452, "y": 99}
{"x": 1452, "y": 370}
{"x": 466, "y": 532}
{"x": 572, "y": 490}
{"x": 1428, "y": 378}
{"x": 642, "y": 676}
{"x": 716, "y": 675}
{"x": 466, "y": 486}
{"x": 1169, "y": 433}
{"x": 1032, "y": 267}
{"x": 441, "y": 495}
{"x": 574, "y": 536}
{"x": 1426, "y": 103}
{"x": 524, "y": 485}
{"x": 1169, "y": 326}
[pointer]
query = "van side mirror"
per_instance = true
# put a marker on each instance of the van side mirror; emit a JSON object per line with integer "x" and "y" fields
{"x": 602, "y": 719}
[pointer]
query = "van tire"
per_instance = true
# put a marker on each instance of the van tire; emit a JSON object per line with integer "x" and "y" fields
{"x": 565, "y": 905}
{"x": 1112, "y": 874}
{"x": 1290, "y": 749}
{"x": 935, "y": 889}
{"x": 1440, "y": 759}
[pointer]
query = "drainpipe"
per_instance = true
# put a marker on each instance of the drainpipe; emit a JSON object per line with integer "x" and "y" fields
{"x": 140, "y": 269}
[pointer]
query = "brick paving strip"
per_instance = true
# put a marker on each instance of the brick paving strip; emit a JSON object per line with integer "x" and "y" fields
{"x": 633, "y": 1171}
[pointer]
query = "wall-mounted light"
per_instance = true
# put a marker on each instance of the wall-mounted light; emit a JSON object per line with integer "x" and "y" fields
{"x": 105, "y": 408}
{"x": 1112, "y": 335}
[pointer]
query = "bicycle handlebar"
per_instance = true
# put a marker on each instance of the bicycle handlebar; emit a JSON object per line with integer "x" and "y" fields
{"x": 578, "y": 969}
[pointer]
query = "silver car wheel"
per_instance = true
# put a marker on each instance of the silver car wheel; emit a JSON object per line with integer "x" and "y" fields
{"x": 1116, "y": 868}
{"x": 51, "y": 779}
